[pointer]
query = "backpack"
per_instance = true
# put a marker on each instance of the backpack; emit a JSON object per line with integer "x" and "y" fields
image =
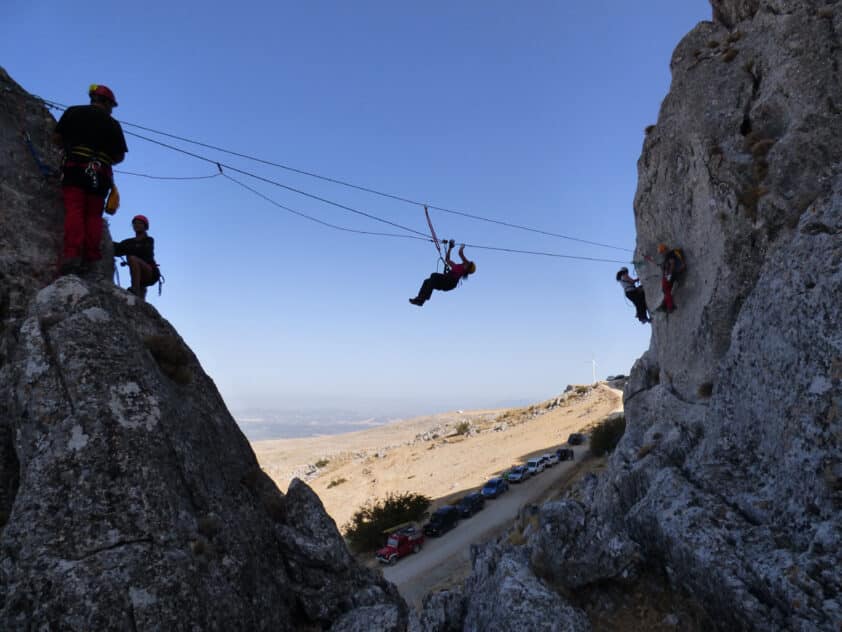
{"x": 680, "y": 263}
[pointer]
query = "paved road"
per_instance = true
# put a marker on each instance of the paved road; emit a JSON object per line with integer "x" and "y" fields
{"x": 448, "y": 557}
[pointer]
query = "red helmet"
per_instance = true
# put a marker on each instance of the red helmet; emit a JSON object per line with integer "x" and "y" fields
{"x": 141, "y": 218}
{"x": 97, "y": 90}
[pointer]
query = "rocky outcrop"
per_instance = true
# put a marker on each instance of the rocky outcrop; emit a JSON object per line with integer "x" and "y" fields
{"x": 129, "y": 498}
{"x": 729, "y": 477}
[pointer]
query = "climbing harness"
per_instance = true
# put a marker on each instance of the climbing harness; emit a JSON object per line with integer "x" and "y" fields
{"x": 160, "y": 282}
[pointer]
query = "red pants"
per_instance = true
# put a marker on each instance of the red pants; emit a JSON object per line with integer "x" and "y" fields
{"x": 82, "y": 223}
{"x": 666, "y": 286}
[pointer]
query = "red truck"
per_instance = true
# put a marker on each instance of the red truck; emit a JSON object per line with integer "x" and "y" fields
{"x": 401, "y": 542}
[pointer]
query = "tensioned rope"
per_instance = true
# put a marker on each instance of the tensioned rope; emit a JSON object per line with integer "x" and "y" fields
{"x": 365, "y": 232}
{"x": 315, "y": 219}
{"x": 151, "y": 177}
{"x": 278, "y": 184}
{"x": 355, "y": 186}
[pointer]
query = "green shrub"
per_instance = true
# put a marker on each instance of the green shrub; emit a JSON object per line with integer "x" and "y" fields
{"x": 607, "y": 434}
{"x": 581, "y": 389}
{"x": 463, "y": 427}
{"x": 365, "y": 529}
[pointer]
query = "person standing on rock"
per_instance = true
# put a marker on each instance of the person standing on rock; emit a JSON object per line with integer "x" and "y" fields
{"x": 634, "y": 293}
{"x": 92, "y": 142}
{"x": 453, "y": 273}
{"x": 140, "y": 257}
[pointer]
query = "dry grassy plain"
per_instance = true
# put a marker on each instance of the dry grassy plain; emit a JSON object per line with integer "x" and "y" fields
{"x": 426, "y": 455}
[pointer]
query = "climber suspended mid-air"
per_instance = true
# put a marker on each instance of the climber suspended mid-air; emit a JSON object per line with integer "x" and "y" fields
{"x": 634, "y": 293}
{"x": 453, "y": 272}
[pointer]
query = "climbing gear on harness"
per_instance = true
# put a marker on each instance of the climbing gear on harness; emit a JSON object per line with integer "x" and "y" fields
{"x": 104, "y": 92}
{"x": 91, "y": 172}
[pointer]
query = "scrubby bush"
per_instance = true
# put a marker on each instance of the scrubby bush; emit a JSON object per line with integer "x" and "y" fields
{"x": 463, "y": 427}
{"x": 335, "y": 482}
{"x": 606, "y": 436}
{"x": 322, "y": 462}
{"x": 365, "y": 529}
{"x": 582, "y": 389}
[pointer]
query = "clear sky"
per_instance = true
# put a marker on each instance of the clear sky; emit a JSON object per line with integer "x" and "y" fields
{"x": 525, "y": 112}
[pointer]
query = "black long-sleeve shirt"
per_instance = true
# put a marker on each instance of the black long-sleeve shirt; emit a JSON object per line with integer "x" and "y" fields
{"x": 142, "y": 247}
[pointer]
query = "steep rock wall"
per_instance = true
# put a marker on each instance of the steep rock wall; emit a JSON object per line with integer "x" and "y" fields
{"x": 729, "y": 476}
{"x": 129, "y": 498}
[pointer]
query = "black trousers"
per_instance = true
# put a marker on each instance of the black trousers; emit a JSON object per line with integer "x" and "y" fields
{"x": 638, "y": 297}
{"x": 436, "y": 281}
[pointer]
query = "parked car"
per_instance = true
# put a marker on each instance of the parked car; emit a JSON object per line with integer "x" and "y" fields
{"x": 577, "y": 438}
{"x": 565, "y": 454}
{"x": 494, "y": 487}
{"x": 471, "y": 504}
{"x": 518, "y": 474}
{"x": 401, "y": 542}
{"x": 551, "y": 457}
{"x": 535, "y": 466}
{"x": 442, "y": 520}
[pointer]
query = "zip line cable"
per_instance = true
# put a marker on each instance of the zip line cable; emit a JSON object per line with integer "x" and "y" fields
{"x": 277, "y": 184}
{"x": 366, "y": 232}
{"x": 146, "y": 175}
{"x": 543, "y": 254}
{"x": 319, "y": 221}
{"x": 354, "y": 186}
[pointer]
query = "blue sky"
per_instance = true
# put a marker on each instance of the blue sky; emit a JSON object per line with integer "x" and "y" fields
{"x": 531, "y": 113}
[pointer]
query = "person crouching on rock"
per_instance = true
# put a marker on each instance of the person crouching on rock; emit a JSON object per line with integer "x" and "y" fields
{"x": 140, "y": 257}
{"x": 634, "y": 293}
{"x": 453, "y": 273}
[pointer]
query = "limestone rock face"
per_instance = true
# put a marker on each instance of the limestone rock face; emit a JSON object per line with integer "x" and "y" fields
{"x": 729, "y": 476}
{"x": 502, "y": 594}
{"x": 129, "y": 498}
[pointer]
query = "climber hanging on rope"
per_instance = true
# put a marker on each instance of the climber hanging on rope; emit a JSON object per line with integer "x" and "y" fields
{"x": 634, "y": 293}
{"x": 453, "y": 273}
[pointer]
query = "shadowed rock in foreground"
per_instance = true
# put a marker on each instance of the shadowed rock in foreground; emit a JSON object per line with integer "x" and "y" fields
{"x": 129, "y": 498}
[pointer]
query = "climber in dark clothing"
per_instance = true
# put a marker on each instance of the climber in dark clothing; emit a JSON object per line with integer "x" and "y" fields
{"x": 140, "y": 256}
{"x": 453, "y": 273}
{"x": 672, "y": 265}
{"x": 92, "y": 142}
{"x": 634, "y": 293}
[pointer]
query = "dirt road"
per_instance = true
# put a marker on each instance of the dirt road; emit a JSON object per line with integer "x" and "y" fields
{"x": 446, "y": 560}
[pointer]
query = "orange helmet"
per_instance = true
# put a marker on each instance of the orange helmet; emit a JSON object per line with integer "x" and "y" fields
{"x": 141, "y": 218}
{"x": 662, "y": 248}
{"x": 97, "y": 90}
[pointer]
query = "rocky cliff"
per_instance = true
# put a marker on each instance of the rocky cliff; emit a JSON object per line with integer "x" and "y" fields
{"x": 129, "y": 499}
{"x": 728, "y": 481}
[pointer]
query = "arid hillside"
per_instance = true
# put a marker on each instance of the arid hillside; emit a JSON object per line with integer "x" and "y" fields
{"x": 438, "y": 456}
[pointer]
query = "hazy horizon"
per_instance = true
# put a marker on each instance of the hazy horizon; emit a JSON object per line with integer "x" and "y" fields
{"x": 260, "y": 423}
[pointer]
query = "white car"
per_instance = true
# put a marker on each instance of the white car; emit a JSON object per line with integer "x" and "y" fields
{"x": 551, "y": 458}
{"x": 535, "y": 466}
